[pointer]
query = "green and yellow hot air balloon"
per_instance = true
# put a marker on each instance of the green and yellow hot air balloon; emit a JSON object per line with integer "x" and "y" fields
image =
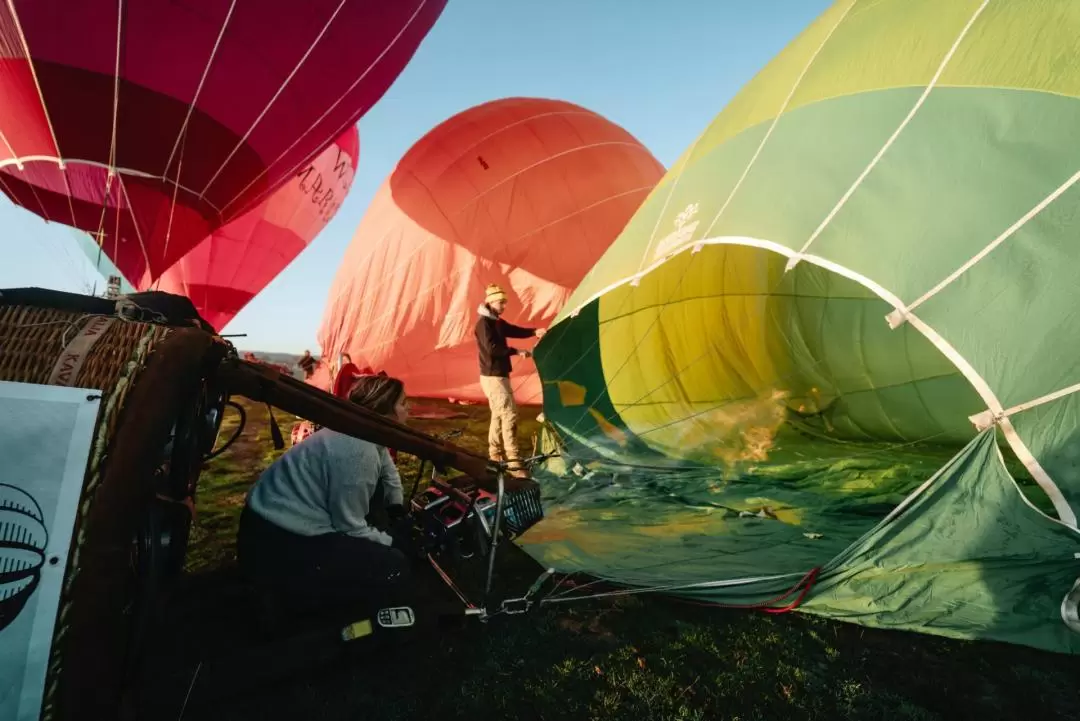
{"x": 833, "y": 361}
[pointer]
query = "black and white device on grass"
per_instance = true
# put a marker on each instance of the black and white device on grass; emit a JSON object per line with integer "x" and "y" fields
{"x": 398, "y": 617}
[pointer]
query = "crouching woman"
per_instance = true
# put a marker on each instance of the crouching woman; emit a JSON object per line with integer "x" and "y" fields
{"x": 304, "y": 535}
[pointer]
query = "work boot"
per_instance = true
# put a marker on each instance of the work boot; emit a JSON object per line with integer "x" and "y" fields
{"x": 516, "y": 469}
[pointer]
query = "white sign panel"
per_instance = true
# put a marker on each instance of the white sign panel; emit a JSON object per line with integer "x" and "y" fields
{"x": 46, "y": 434}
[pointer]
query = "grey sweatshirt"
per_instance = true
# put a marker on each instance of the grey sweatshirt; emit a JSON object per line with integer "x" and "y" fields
{"x": 325, "y": 485}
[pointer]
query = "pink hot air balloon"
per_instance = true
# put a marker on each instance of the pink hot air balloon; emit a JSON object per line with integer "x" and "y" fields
{"x": 224, "y": 272}
{"x": 524, "y": 192}
{"x": 151, "y": 124}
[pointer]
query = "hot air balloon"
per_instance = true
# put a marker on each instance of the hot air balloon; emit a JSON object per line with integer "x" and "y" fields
{"x": 802, "y": 352}
{"x": 23, "y": 540}
{"x": 523, "y": 192}
{"x": 152, "y": 124}
{"x": 224, "y": 272}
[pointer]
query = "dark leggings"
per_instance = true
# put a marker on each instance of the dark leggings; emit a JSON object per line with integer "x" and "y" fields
{"x": 321, "y": 573}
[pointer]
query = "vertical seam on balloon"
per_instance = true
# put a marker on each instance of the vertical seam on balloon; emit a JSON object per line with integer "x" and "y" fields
{"x": 6, "y": 188}
{"x": 18, "y": 163}
{"x": 116, "y": 84}
{"x": 181, "y": 137}
{"x": 274, "y": 98}
{"x": 112, "y": 145}
{"x": 896, "y": 318}
{"x": 45, "y": 111}
{"x": 172, "y": 210}
{"x": 33, "y": 192}
{"x": 776, "y": 120}
{"x": 105, "y": 206}
{"x": 198, "y": 91}
{"x": 71, "y": 204}
{"x": 892, "y": 138}
{"x": 445, "y": 280}
{"x": 37, "y": 83}
{"x": 134, "y": 222}
{"x": 1061, "y": 505}
{"x": 322, "y": 117}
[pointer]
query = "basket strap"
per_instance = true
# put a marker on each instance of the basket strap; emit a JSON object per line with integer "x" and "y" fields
{"x": 67, "y": 366}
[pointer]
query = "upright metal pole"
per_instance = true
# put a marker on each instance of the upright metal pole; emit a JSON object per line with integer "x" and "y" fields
{"x": 495, "y": 533}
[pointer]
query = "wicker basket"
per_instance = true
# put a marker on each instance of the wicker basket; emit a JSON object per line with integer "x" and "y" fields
{"x": 147, "y": 375}
{"x": 33, "y": 339}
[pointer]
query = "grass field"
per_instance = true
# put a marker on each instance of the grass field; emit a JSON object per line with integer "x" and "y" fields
{"x": 641, "y": 658}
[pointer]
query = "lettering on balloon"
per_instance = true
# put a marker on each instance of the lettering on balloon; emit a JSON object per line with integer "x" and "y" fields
{"x": 327, "y": 191}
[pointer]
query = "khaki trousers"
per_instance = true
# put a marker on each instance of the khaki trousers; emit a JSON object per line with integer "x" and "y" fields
{"x": 502, "y": 434}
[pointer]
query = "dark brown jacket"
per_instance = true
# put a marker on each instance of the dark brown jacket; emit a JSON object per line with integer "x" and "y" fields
{"x": 491, "y": 334}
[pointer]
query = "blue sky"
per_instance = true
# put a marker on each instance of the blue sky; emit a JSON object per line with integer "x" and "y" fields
{"x": 662, "y": 70}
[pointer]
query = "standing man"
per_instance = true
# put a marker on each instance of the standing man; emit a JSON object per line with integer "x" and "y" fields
{"x": 307, "y": 364}
{"x": 491, "y": 334}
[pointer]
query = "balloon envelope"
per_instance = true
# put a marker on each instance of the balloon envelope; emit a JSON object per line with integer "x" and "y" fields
{"x": 151, "y": 124}
{"x": 522, "y": 192}
{"x": 904, "y": 160}
{"x": 224, "y": 272}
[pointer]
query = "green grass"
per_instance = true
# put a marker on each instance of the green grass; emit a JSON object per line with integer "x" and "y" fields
{"x": 638, "y": 658}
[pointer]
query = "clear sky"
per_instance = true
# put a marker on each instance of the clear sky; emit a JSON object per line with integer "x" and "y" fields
{"x": 662, "y": 70}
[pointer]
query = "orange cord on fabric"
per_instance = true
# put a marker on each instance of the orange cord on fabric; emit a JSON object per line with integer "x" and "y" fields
{"x": 805, "y": 584}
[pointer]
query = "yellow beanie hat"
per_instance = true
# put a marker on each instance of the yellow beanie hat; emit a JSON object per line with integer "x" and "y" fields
{"x": 494, "y": 293}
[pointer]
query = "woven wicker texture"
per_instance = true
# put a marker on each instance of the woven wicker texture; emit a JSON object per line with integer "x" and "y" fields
{"x": 32, "y": 339}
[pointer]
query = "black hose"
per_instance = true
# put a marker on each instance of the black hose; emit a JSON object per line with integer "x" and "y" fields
{"x": 416, "y": 482}
{"x": 236, "y": 434}
{"x": 420, "y": 473}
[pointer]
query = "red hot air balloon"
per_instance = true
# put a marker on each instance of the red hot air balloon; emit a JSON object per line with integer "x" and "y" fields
{"x": 224, "y": 272}
{"x": 527, "y": 193}
{"x": 153, "y": 123}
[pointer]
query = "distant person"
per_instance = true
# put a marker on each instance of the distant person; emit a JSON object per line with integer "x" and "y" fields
{"x": 494, "y": 353}
{"x": 304, "y": 534}
{"x": 307, "y": 364}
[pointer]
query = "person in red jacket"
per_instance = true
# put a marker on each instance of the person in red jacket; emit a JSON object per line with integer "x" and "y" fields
{"x": 348, "y": 375}
{"x": 494, "y": 353}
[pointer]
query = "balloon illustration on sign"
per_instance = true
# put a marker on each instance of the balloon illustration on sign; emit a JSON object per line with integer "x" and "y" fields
{"x": 23, "y": 540}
